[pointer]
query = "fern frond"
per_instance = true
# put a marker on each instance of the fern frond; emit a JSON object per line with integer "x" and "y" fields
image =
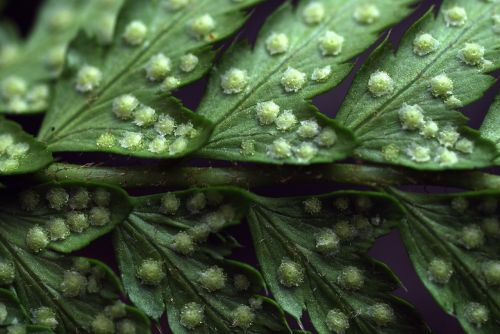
{"x": 491, "y": 126}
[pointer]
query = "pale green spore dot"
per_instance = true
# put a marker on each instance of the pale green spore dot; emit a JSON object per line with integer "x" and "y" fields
{"x": 327, "y": 137}
{"x": 472, "y": 54}
{"x": 17, "y": 150}
{"x": 38, "y": 96}
{"x": 215, "y": 220}
{"x": 390, "y": 152}
{"x": 30, "y": 200}
{"x": 82, "y": 265}
{"x": 331, "y": 43}
{"x": 314, "y": 13}
{"x": 192, "y": 315}
{"x": 17, "y": 104}
{"x": 13, "y": 86}
{"x": 290, "y": 273}
{"x": 363, "y": 203}
{"x": 351, "y": 278}
{"x": 169, "y": 204}
{"x": 116, "y": 310}
{"x": 472, "y": 237}
{"x": 286, "y": 120}
{"x": 196, "y": 203}
{"x": 308, "y": 129}
{"x": 55, "y": 58}
{"x": 88, "y": 78}
{"x": 460, "y": 204}
{"x": 382, "y": 314}
{"x": 337, "y": 321}
{"x": 491, "y": 226}
{"x": 234, "y": 81}
{"x": 280, "y": 149}
{"x": 327, "y": 242}
{"x": 425, "y": 44}
{"x": 145, "y": 116}
{"x": 345, "y": 231}
{"x": 243, "y": 317}
{"x": 102, "y": 325}
{"x": 312, "y": 205}
{"x": 411, "y": 116}
{"x": 183, "y": 243}
{"x": 441, "y": 86}
{"x": 57, "y": 229}
{"x": 247, "y": 147}
{"x": 440, "y": 271}
{"x": 200, "y": 232}
{"x": 184, "y": 130}
{"x": 135, "y": 33}
{"x": 321, "y": 74}
{"x": 213, "y": 279}
{"x": 150, "y": 272}
{"x": 366, "y": 14}
{"x": 419, "y": 153}
{"x": 79, "y": 199}
{"x": 158, "y": 145}
{"x": 491, "y": 272}
{"x": 380, "y": 84}
{"x": 188, "y": 62}
{"x": 7, "y": 272}
{"x": 255, "y": 303}
{"x": 158, "y": 67}
{"x": 170, "y": 83}
{"x": 45, "y": 316}
{"x": 74, "y": 284}
{"x": 464, "y": 145}
{"x": 203, "y": 26}
{"x": 448, "y": 136}
{"x": 241, "y": 282}
{"x": 60, "y": 18}
{"x": 477, "y": 314}
{"x": 452, "y": 102}
{"x": 293, "y": 80}
{"x": 99, "y": 216}
{"x": 37, "y": 239}
{"x": 101, "y": 197}
{"x": 124, "y": 106}
{"x": 267, "y": 112}
{"x": 77, "y": 221}
{"x": 8, "y": 54}
{"x": 177, "y": 4}
{"x": 106, "y": 140}
{"x": 8, "y": 165}
{"x": 429, "y": 129}
{"x": 165, "y": 125}
{"x": 277, "y": 43}
{"x": 17, "y": 329}
{"x": 3, "y": 312}
{"x": 126, "y": 326}
{"x": 6, "y": 140}
{"x": 446, "y": 157}
{"x": 455, "y": 16}
{"x": 306, "y": 152}
{"x": 131, "y": 140}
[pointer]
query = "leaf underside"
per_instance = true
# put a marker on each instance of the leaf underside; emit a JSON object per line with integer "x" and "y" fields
{"x": 239, "y": 134}
{"x": 491, "y": 129}
{"x": 282, "y": 230}
{"x": 20, "y": 153}
{"x": 149, "y": 234}
{"x": 434, "y": 229}
{"x": 376, "y": 121}
{"x": 80, "y": 121}
{"x": 39, "y": 59}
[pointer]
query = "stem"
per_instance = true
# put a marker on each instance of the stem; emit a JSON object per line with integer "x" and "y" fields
{"x": 251, "y": 176}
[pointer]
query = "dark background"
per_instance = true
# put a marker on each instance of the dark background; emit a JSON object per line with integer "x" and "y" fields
{"x": 389, "y": 249}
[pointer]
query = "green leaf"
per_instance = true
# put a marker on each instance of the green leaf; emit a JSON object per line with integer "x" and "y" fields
{"x": 39, "y": 282}
{"x": 72, "y": 215}
{"x": 85, "y": 121}
{"x": 313, "y": 256}
{"x": 20, "y": 153}
{"x": 161, "y": 231}
{"x": 41, "y": 57}
{"x": 453, "y": 242}
{"x": 490, "y": 128}
{"x": 241, "y": 133}
{"x": 384, "y": 124}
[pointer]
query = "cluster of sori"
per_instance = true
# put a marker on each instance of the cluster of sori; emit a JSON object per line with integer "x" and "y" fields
{"x": 11, "y": 152}
{"x": 18, "y": 96}
{"x": 69, "y": 211}
{"x": 483, "y": 229}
